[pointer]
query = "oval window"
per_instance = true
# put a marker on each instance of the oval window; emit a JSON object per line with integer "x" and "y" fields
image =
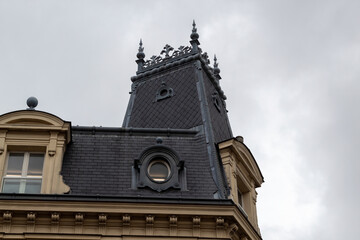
{"x": 159, "y": 170}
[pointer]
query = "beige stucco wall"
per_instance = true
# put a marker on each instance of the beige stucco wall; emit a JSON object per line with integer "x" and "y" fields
{"x": 242, "y": 175}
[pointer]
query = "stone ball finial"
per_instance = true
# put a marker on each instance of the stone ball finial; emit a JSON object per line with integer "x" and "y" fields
{"x": 32, "y": 102}
{"x": 240, "y": 139}
{"x": 194, "y": 35}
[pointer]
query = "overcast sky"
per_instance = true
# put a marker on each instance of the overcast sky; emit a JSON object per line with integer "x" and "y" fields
{"x": 290, "y": 70}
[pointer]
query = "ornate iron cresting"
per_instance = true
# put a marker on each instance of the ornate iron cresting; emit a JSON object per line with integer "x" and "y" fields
{"x": 154, "y": 60}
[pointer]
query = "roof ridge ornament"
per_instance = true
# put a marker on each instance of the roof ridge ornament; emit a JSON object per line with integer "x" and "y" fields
{"x": 216, "y": 66}
{"x": 194, "y": 38}
{"x": 140, "y": 55}
{"x": 167, "y": 50}
{"x": 216, "y": 69}
{"x": 32, "y": 102}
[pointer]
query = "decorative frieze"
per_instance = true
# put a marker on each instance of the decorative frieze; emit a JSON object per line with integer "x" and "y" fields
{"x": 103, "y": 223}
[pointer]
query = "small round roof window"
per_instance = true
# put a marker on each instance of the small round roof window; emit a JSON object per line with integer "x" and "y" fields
{"x": 159, "y": 170}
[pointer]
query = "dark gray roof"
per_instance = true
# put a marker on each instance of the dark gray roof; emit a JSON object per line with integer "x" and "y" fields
{"x": 100, "y": 162}
{"x": 181, "y": 111}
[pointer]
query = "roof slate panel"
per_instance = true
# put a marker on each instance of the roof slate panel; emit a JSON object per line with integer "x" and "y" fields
{"x": 180, "y": 111}
{"x": 102, "y": 164}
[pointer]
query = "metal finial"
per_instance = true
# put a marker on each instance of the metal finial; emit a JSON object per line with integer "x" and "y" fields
{"x": 140, "y": 54}
{"x": 194, "y": 35}
{"x": 167, "y": 50}
{"x": 216, "y": 66}
{"x": 32, "y": 102}
{"x": 159, "y": 140}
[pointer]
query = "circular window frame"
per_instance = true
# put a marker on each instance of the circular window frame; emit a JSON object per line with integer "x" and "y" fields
{"x": 159, "y": 159}
{"x": 149, "y": 157}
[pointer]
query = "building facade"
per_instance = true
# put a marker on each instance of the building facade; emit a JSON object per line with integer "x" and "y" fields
{"x": 173, "y": 170}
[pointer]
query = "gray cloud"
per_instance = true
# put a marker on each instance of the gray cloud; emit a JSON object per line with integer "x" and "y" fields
{"x": 290, "y": 70}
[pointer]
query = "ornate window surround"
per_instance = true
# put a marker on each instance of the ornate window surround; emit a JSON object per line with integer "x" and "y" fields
{"x": 36, "y": 131}
{"x": 176, "y": 178}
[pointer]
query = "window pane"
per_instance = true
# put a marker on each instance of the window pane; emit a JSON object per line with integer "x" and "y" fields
{"x": 11, "y": 185}
{"x": 158, "y": 170}
{"x": 15, "y": 164}
{"x": 33, "y": 186}
{"x": 36, "y": 162}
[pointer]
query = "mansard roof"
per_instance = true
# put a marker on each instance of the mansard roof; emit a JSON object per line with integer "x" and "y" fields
{"x": 100, "y": 161}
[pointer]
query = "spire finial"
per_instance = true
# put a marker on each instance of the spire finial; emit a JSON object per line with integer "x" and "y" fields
{"x": 216, "y": 66}
{"x": 194, "y": 35}
{"x": 141, "y": 55}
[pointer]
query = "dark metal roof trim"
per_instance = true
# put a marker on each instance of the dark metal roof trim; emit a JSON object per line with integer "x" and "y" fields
{"x": 102, "y": 198}
{"x": 166, "y": 65}
{"x": 130, "y": 131}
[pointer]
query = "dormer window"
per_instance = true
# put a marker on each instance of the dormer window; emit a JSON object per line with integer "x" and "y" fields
{"x": 32, "y": 145}
{"x": 23, "y": 173}
{"x": 159, "y": 168}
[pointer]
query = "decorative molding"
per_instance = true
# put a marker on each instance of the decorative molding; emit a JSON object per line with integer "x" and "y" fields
{"x": 220, "y": 227}
{"x": 163, "y": 92}
{"x": 108, "y": 220}
{"x": 55, "y": 218}
{"x": 196, "y": 221}
{"x": 233, "y": 229}
{"x": 196, "y": 226}
{"x": 167, "y": 50}
{"x": 2, "y": 141}
{"x": 102, "y": 218}
{"x": 126, "y": 224}
{"x": 173, "y": 220}
{"x": 31, "y": 216}
{"x": 79, "y": 221}
{"x": 126, "y": 219}
{"x": 149, "y": 219}
{"x": 79, "y": 218}
{"x": 7, "y": 216}
{"x": 220, "y": 221}
{"x": 102, "y": 223}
